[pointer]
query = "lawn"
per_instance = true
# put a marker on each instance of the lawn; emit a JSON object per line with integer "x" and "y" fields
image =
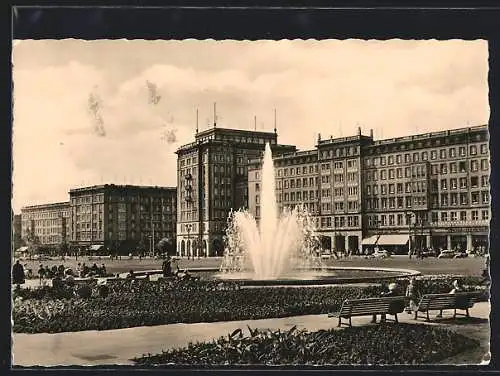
{"x": 466, "y": 266}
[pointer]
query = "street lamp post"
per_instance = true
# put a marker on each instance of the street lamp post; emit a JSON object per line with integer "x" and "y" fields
{"x": 188, "y": 228}
{"x": 409, "y": 215}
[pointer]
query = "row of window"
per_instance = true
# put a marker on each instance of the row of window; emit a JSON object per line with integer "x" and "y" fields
{"x": 460, "y": 183}
{"x": 444, "y": 153}
{"x": 393, "y": 202}
{"x": 339, "y": 222}
{"x": 340, "y": 152}
{"x": 406, "y": 220}
{"x": 311, "y": 169}
{"x": 44, "y": 214}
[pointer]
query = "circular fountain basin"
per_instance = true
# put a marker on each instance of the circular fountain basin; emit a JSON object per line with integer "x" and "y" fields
{"x": 324, "y": 276}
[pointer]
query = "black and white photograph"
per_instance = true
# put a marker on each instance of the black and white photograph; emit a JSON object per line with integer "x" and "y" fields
{"x": 210, "y": 203}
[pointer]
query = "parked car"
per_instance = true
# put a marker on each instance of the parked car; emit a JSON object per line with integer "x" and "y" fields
{"x": 381, "y": 253}
{"x": 429, "y": 253}
{"x": 447, "y": 253}
{"x": 460, "y": 254}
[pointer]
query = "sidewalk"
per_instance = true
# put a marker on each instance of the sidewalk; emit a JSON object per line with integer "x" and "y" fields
{"x": 117, "y": 347}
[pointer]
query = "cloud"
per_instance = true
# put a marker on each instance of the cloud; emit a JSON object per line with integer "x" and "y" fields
{"x": 395, "y": 87}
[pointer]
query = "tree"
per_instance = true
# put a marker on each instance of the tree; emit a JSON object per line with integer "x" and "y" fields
{"x": 164, "y": 246}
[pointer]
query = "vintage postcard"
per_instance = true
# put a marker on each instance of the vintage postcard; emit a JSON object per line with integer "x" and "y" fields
{"x": 214, "y": 203}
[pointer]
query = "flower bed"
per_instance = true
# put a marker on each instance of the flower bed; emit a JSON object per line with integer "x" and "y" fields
{"x": 144, "y": 303}
{"x": 386, "y": 344}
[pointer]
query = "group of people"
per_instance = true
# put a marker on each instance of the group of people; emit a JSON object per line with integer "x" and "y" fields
{"x": 413, "y": 294}
{"x": 83, "y": 271}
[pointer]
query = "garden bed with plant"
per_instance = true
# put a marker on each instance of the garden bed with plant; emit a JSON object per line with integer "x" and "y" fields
{"x": 385, "y": 344}
{"x": 125, "y": 304}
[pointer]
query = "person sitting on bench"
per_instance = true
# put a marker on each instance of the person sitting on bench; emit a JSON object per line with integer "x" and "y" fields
{"x": 456, "y": 288}
{"x": 391, "y": 291}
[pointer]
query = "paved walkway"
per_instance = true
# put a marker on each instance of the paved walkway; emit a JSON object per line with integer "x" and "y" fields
{"x": 112, "y": 347}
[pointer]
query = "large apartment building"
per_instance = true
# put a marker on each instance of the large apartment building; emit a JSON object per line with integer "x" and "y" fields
{"x": 428, "y": 190}
{"x": 46, "y": 225}
{"x": 122, "y": 218}
{"x": 212, "y": 179}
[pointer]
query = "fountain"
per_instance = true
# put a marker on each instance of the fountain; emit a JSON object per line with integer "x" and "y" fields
{"x": 279, "y": 246}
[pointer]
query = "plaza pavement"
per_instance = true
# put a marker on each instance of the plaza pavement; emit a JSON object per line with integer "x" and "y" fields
{"x": 117, "y": 347}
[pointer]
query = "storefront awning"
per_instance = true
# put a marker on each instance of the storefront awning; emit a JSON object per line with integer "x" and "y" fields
{"x": 370, "y": 240}
{"x": 95, "y": 247}
{"x": 393, "y": 240}
{"x": 22, "y": 250}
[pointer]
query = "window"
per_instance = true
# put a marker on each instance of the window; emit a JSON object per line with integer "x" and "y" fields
{"x": 474, "y": 165}
{"x": 407, "y": 172}
{"x": 463, "y": 183}
{"x": 425, "y": 156}
{"x": 444, "y": 216}
{"x": 485, "y": 215}
{"x": 485, "y": 197}
{"x": 398, "y": 159}
{"x": 434, "y": 217}
{"x": 463, "y": 216}
{"x": 407, "y": 158}
{"x": 475, "y": 215}
{"x": 461, "y": 151}
{"x": 444, "y": 199}
{"x": 484, "y": 164}
{"x": 390, "y": 159}
{"x": 473, "y": 150}
{"x": 453, "y": 167}
{"x": 399, "y": 173}
{"x": 433, "y": 154}
{"x": 383, "y": 175}
{"x": 453, "y": 217}
{"x": 453, "y": 183}
{"x": 444, "y": 184}
{"x": 382, "y": 161}
{"x": 474, "y": 181}
{"x": 442, "y": 154}
{"x": 415, "y": 157}
{"x": 484, "y": 180}
{"x": 444, "y": 168}
{"x": 452, "y": 152}
{"x": 475, "y": 197}
{"x": 484, "y": 148}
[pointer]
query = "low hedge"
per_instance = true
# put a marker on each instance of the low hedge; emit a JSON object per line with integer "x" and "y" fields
{"x": 385, "y": 344}
{"x": 146, "y": 303}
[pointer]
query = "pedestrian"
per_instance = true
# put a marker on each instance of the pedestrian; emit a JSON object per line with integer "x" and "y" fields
{"x": 41, "y": 273}
{"x": 17, "y": 274}
{"x": 413, "y": 294}
{"x": 392, "y": 290}
{"x": 456, "y": 289}
{"x": 103, "y": 270}
{"x": 167, "y": 267}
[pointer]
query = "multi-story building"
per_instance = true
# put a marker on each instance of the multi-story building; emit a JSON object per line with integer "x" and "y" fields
{"x": 212, "y": 179}
{"x": 16, "y": 231}
{"x": 434, "y": 187}
{"x": 46, "y": 225}
{"x": 122, "y": 218}
{"x": 428, "y": 190}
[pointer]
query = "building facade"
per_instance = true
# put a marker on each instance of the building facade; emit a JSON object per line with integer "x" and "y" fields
{"x": 429, "y": 190}
{"x": 17, "y": 240}
{"x": 212, "y": 179}
{"x": 46, "y": 225}
{"x": 122, "y": 218}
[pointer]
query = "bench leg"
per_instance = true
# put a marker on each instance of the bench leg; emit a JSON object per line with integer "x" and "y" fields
{"x": 396, "y": 318}
{"x": 340, "y": 322}
{"x": 350, "y": 323}
{"x": 455, "y": 314}
{"x": 467, "y": 312}
{"x": 416, "y": 315}
{"x": 428, "y": 318}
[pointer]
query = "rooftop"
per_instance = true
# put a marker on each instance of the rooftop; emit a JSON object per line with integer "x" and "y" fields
{"x": 52, "y": 205}
{"x": 117, "y": 186}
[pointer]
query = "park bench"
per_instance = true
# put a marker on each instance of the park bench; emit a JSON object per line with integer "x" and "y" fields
{"x": 391, "y": 305}
{"x": 458, "y": 301}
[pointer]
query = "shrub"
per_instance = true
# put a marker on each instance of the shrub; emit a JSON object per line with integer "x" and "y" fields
{"x": 375, "y": 345}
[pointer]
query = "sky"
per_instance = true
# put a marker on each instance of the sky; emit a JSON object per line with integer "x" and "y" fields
{"x": 115, "y": 111}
